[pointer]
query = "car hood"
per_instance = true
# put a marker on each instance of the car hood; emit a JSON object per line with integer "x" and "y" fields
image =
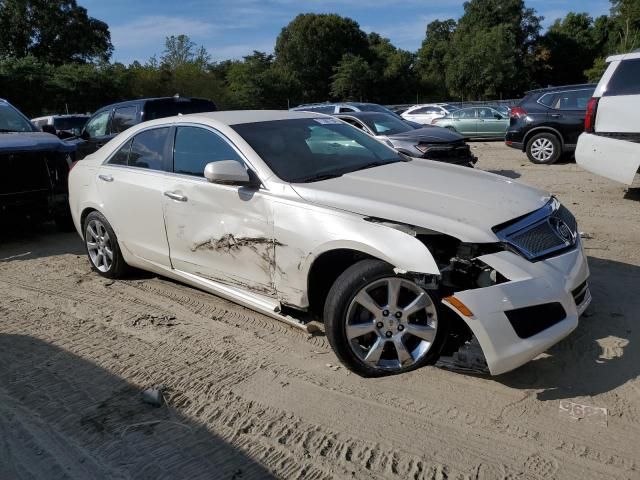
{"x": 428, "y": 135}
{"x": 31, "y": 142}
{"x": 458, "y": 201}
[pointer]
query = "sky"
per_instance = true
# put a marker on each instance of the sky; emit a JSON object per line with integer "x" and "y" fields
{"x": 230, "y": 29}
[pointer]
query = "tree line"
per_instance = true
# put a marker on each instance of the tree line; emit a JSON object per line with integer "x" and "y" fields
{"x": 54, "y": 57}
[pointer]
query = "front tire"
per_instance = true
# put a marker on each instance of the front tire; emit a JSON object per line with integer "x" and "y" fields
{"x": 544, "y": 149}
{"x": 379, "y": 323}
{"x": 102, "y": 247}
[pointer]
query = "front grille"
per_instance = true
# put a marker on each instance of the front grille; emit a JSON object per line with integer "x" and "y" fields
{"x": 24, "y": 172}
{"x": 439, "y": 151}
{"x": 529, "y": 321}
{"x": 548, "y": 231}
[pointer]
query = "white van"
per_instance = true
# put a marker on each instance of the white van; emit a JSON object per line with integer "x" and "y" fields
{"x": 610, "y": 146}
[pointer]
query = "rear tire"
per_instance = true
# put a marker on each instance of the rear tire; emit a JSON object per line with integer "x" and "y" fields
{"x": 544, "y": 149}
{"x": 398, "y": 330}
{"x": 102, "y": 247}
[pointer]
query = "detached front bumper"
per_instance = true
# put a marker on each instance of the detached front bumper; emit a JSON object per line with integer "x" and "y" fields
{"x": 557, "y": 284}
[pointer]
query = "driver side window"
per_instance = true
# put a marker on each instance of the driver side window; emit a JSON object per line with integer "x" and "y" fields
{"x": 97, "y": 126}
{"x": 195, "y": 147}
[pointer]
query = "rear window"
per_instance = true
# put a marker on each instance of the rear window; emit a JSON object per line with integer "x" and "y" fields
{"x": 625, "y": 80}
{"x": 168, "y": 108}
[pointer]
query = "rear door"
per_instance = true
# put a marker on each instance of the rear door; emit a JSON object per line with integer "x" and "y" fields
{"x": 490, "y": 123}
{"x": 568, "y": 112}
{"x": 220, "y": 232}
{"x": 131, "y": 184}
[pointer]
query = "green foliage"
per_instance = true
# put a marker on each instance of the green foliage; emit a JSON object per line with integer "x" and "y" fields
{"x": 311, "y": 46}
{"x": 431, "y": 58}
{"x": 56, "y": 31}
{"x": 352, "y": 78}
{"x": 492, "y": 49}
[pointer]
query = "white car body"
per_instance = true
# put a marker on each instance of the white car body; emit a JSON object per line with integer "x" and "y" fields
{"x": 277, "y": 232}
{"x": 426, "y": 113}
{"x": 612, "y": 149}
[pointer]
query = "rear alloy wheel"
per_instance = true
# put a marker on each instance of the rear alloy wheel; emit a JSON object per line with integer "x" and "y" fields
{"x": 543, "y": 148}
{"x": 102, "y": 246}
{"x": 380, "y": 323}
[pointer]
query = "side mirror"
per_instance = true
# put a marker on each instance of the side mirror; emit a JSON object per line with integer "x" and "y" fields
{"x": 49, "y": 129}
{"x": 84, "y": 135}
{"x": 229, "y": 172}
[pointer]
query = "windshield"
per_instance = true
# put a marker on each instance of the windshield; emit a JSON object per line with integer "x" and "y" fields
{"x": 382, "y": 124}
{"x": 12, "y": 121}
{"x": 312, "y": 149}
{"x": 69, "y": 123}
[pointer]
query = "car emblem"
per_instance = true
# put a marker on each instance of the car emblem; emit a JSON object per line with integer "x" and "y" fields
{"x": 563, "y": 230}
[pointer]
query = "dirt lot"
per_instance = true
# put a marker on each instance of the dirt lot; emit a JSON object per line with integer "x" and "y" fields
{"x": 249, "y": 397}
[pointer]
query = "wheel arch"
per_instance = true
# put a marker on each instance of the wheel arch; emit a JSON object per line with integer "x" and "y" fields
{"x": 543, "y": 129}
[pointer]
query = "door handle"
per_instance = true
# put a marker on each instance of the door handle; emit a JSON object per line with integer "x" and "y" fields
{"x": 175, "y": 196}
{"x": 556, "y": 115}
{"x": 106, "y": 178}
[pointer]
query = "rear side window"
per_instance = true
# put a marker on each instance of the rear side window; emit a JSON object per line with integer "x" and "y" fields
{"x": 547, "y": 99}
{"x": 573, "y": 100}
{"x": 625, "y": 80}
{"x": 147, "y": 149}
{"x": 346, "y": 109}
{"x": 121, "y": 157}
{"x": 123, "y": 118}
{"x": 195, "y": 147}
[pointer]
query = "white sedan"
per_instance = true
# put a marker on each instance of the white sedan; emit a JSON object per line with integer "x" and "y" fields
{"x": 299, "y": 215}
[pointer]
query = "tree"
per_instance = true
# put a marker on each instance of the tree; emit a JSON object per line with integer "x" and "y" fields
{"x": 431, "y": 58}
{"x": 573, "y": 47}
{"x": 180, "y": 50}
{"x": 503, "y": 35}
{"x": 56, "y": 31}
{"x": 392, "y": 71}
{"x": 311, "y": 46}
{"x": 351, "y": 78}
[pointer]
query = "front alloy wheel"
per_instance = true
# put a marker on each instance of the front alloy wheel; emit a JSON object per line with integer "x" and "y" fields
{"x": 379, "y": 323}
{"x": 391, "y": 323}
{"x": 544, "y": 148}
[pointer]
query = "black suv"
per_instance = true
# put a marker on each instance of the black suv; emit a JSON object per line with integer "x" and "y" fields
{"x": 111, "y": 120}
{"x": 548, "y": 121}
{"x": 35, "y": 167}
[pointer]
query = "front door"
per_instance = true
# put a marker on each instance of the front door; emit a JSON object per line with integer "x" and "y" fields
{"x": 220, "y": 232}
{"x": 490, "y": 123}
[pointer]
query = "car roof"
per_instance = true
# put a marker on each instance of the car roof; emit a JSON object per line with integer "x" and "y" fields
{"x": 363, "y": 115}
{"x": 625, "y": 56}
{"x": 236, "y": 117}
{"x": 140, "y": 101}
{"x": 562, "y": 88}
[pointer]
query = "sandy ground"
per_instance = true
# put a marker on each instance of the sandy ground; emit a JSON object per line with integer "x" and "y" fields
{"x": 248, "y": 397}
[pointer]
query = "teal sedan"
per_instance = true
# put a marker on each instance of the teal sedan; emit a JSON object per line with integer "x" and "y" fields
{"x": 476, "y": 122}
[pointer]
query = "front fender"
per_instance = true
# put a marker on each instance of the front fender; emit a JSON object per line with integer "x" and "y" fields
{"x": 303, "y": 232}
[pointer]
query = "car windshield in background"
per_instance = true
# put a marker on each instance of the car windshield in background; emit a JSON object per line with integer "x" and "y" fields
{"x": 70, "y": 123}
{"x": 313, "y": 149}
{"x": 382, "y": 124}
{"x": 163, "y": 108}
{"x": 12, "y": 121}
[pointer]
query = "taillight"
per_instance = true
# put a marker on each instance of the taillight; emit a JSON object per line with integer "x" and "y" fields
{"x": 590, "y": 118}
{"x": 518, "y": 112}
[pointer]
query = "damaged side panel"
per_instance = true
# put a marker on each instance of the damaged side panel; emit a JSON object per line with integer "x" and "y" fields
{"x": 305, "y": 232}
{"x": 223, "y": 234}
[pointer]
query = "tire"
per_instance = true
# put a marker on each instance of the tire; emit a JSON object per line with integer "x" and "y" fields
{"x": 101, "y": 245}
{"x": 366, "y": 340}
{"x": 544, "y": 149}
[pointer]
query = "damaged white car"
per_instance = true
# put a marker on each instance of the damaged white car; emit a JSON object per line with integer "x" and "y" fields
{"x": 301, "y": 216}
